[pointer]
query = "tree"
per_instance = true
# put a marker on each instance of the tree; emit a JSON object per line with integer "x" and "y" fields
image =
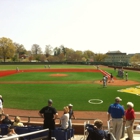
{"x": 42, "y": 58}
{"x": 61, "y": 57}
{"x": 52, "y": 58}
{"x": 69, "y": 54}
{"x": 77, "y": 56}
{"x": 89, "y": 55}
{"x": 57, "y": 51}
{"x": 48, "y": 50}
{"x": 135, "y": 58}
{"x": 36, "y": 49}
{"x": 63, "y": 50}
{"x": 20, "y": 50}
{"x": 7, "y": 48}
{"x": 100, "y": 57}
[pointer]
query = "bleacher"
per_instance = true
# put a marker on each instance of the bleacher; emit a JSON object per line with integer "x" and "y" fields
{"x": 36, "y": 132}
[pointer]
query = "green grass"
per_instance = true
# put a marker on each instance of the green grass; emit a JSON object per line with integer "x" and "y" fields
{"x": 30, "y": 96}
{"x": 13, "y": 67}
{"x": 35, "y": 96}
{"x": 45, "y": 76}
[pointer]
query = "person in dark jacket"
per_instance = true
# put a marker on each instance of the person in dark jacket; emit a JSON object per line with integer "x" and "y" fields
{"x": 6, "y": 120}
{"x": 95, "y": 131}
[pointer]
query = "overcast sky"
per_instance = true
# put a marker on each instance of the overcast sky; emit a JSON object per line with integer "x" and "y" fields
{"x": 97, "y": 25}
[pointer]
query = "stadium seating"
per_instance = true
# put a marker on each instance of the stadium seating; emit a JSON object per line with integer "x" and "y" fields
{"x": 60, "y": 134}
{"x": 3, "y": 129}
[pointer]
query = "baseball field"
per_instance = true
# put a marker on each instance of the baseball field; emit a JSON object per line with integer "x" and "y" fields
{"x": 33, "y": 85}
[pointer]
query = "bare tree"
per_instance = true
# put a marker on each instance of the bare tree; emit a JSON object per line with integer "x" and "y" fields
{"x": 36, "y": 49}
{"x": 48, "y": 50}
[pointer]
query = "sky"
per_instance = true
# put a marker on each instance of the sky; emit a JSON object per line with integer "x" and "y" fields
{"x": 97, "y": 25}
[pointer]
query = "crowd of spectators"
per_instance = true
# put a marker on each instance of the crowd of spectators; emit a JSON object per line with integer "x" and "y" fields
{"x": 120, "y": 118}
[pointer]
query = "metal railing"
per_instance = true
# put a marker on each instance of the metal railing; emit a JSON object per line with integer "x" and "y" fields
{"x": 32, "y": 117}
{"x": 23, "y": 135}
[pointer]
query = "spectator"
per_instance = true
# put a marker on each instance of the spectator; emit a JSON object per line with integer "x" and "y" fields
{"x": 1, "y": 99}
{"x": 96, "y": 132}
{"x": 6, "y": 120}
{"x": 1, "y": 107}
{"x": 17, "y": 122}
{"x": 138, "y": 127}
{"x": 71, "y": 115}
{"x": 49, "y": 114}
{"x": 11, "y": 132}
{"x": 130, "y": 117}
{"x": 65, "y": 118}
{"x": 116, "y": 111}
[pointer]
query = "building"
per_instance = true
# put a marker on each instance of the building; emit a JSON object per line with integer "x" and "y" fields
{"x": 117, "y": 56}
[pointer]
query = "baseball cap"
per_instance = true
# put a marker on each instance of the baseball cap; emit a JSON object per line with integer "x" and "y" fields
{"x": 50, "y": 101}
{"x": 130, "y": 104}
{"x": 0, "y": 96}
{"x": 70, "y": 105}
{"x": 118, "y": 99}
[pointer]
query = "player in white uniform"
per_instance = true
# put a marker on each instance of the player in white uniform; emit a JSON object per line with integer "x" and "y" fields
{"x": 126, "y": 76}
{"x": 104, "y": 81}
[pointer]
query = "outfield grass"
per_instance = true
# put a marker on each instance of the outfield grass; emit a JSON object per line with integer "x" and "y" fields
{"x": 45, "y": 76}
{"x": 22, "y": 67}
{"x": 35, "y": 96}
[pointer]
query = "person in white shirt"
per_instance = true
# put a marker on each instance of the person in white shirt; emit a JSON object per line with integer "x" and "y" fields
{"x": 65, "y": 118}
{"x": 11, "y": 132}
{"x": 138, "y": 127}
{"x": 1, "y": 109}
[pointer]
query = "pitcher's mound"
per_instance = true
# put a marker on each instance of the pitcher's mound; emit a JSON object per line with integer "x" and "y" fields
{"x": 58, "y": 75}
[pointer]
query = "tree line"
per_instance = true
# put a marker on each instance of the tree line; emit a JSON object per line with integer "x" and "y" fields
{"x": 13, "y": 51}
{"x": 16, "y": 52}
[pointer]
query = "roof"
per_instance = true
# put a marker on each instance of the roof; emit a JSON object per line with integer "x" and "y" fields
{"x": 114, "y": 51}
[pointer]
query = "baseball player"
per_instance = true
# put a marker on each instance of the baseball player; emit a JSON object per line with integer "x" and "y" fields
{"x": 111, "y": 78}
{"x": 17, "y": 69}
{"x": 126, "y": 76}
{"x": 104, "y": 81}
